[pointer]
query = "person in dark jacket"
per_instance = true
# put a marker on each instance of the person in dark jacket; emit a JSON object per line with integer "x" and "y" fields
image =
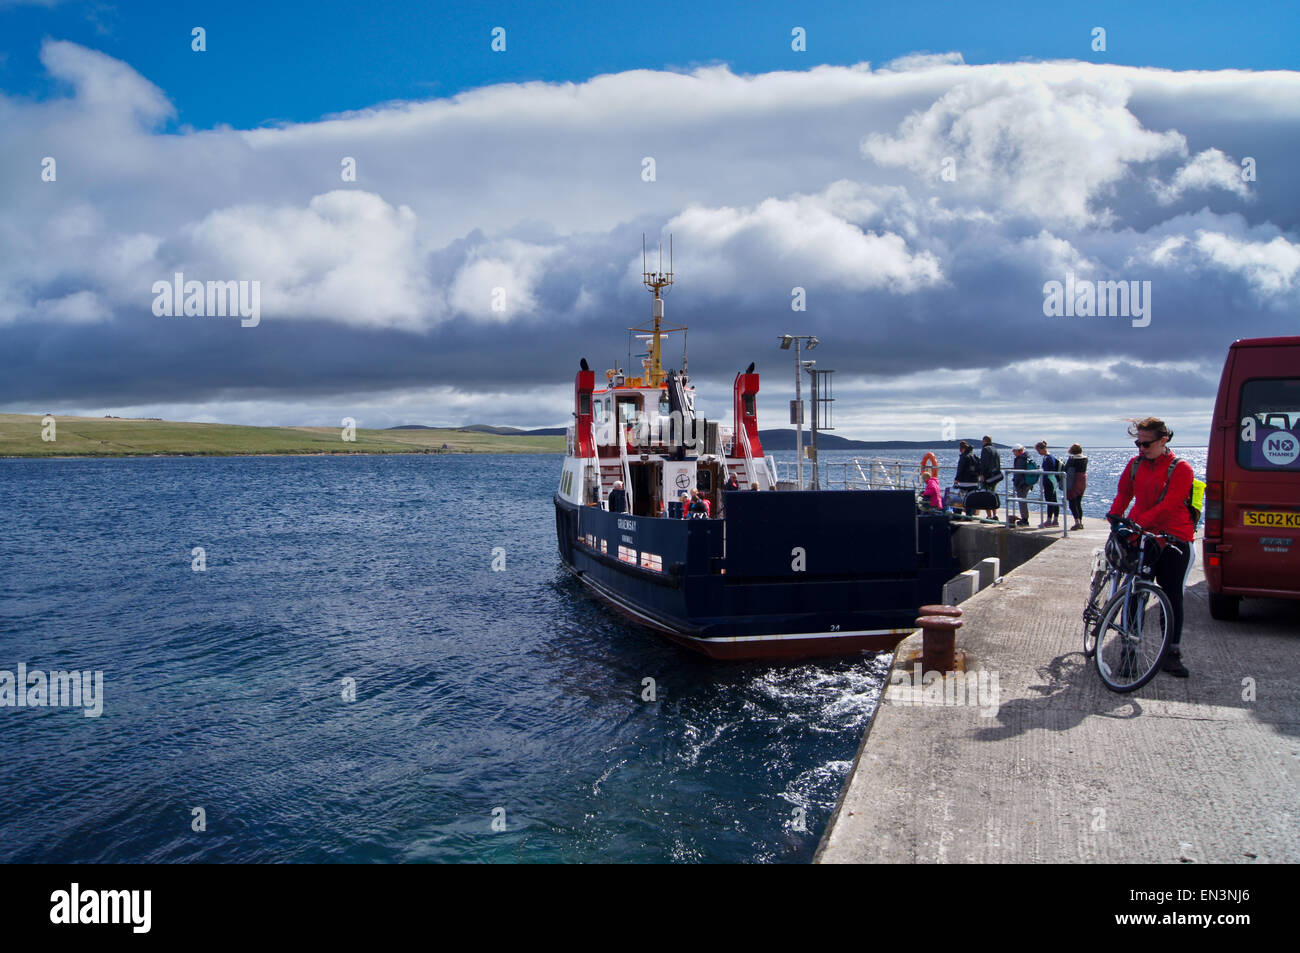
{"x": 618, "y": 498}
{"x": 990, "y": 469}
{"x": 1076, "y": 481}
{"x": 1050, "y": 465}
{"x": 968, "y": 472}
{"x": 1020, "y": 486}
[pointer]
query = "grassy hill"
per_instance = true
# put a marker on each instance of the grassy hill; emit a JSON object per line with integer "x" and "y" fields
{"x": 778, "y": 439}
{"x": 20, "y": 436}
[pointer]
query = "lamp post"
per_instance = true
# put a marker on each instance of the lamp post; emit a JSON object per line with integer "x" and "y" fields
{"x": 811, "y": 368}
{"x": 786, "y": 340}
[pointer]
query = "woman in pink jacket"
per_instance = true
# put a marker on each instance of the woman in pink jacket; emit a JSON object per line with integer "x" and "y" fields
{"x": 931, "y": 493}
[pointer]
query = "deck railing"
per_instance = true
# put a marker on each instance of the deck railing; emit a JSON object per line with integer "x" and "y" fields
{"x": 883, "y": 474}
{"x": 857, "y": 474}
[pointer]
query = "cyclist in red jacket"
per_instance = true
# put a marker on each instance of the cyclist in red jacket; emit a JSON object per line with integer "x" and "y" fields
{"x": 1159, "y": 496}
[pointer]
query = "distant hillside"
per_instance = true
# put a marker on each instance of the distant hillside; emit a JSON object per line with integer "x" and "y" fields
{"x": 487, "y": 428}
{"x": 775, "y": 439}
{"x": 784, "y": 440}
{"x": 27, "y": 435}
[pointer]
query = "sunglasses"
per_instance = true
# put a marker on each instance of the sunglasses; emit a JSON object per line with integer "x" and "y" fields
{"x": 1143, "y": 444}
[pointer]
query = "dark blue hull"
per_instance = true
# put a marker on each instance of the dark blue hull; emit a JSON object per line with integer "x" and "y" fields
{"x": 786, "y": 574}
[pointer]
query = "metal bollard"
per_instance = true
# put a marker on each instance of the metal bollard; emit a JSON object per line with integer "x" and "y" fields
{"x": 953, "y": 611}
{"x": 938, "y": 642}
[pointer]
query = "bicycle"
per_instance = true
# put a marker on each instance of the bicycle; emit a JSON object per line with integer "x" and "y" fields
{"x": 1131, "y": 636}
{"x": 1105, "y": 579}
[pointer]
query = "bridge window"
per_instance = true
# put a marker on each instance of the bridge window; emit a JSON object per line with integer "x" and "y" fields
{"x": 627, "y": 408}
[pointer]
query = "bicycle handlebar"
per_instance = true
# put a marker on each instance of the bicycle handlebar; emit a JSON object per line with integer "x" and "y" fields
{"x": 1122, "y": 524}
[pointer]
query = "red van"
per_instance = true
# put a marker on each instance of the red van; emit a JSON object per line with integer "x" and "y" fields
{"x": 1252, "y": 479}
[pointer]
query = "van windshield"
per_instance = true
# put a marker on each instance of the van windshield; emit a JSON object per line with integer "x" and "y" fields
{"x": 1274, "y": 405}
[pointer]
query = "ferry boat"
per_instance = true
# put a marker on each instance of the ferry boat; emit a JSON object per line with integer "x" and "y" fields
{"x": 770, "y": 571}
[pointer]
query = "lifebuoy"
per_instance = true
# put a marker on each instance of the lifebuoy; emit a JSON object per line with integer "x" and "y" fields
{"x": 929, "y": 466}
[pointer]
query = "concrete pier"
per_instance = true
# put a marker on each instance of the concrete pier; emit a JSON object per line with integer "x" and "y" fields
{"x": 1026, "y": 757}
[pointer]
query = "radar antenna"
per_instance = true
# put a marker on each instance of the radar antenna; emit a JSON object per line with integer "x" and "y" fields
{"x": 656, "y": 281}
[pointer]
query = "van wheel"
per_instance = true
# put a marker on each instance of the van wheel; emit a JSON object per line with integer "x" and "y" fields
{"x": 1224, "y": 607}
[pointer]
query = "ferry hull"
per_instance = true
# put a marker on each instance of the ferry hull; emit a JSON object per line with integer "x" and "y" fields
{"x": 784, "y": 575}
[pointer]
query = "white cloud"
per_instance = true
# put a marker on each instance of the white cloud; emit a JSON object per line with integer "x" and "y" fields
{"x": 1055, "y": 255}
{"x": 1210, "y": 169}
{"x": 924, "y": 61}
{"x": 497, "y": 282}
{"x": 1270, "y": 267}
{"x": 1036, "y": 145}
{"x": 1165, "y": 251}
{"x": 348, "y": 257}
{"x": 804, "y": 240}
{"x": 80, "y": 307}
{"x": 103, "y": 84}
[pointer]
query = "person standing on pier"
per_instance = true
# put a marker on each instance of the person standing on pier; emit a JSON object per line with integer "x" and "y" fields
{"x": 1020, "y": 486}
{"x": 1050, "y": 465}
{"x": 968, "y": 472}
{"x": 1159, "y": 484}
{"x": 991, "y": 471}
{"x": 1076, "y": 482}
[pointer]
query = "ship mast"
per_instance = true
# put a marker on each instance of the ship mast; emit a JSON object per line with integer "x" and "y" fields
{"x": 655, "y": 280}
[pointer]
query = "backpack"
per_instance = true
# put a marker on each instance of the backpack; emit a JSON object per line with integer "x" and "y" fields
{"x": 1031, "y": 464}
{"x": 1193, "y": 511}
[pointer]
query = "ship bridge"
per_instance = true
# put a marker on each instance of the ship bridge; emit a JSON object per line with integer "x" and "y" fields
{"x": 643, "y": 429}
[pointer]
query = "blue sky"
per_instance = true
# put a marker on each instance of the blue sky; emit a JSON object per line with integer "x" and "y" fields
{"x": 299, "y": 61}
{"x": 922, "y": 204}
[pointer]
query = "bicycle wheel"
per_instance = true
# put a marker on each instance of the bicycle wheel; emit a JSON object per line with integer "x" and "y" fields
{"x": 1133, "y": 636}
{"x": 1092, "y": 611}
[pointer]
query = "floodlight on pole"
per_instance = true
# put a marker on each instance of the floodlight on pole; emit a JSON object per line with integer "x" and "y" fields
{"x": 797, "y": 411}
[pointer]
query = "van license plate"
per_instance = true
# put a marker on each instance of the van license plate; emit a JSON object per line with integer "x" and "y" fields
{"x": 1271, "y": 518}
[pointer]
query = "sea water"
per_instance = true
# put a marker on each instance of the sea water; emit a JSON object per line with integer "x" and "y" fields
{"x": 313, "y": 659}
